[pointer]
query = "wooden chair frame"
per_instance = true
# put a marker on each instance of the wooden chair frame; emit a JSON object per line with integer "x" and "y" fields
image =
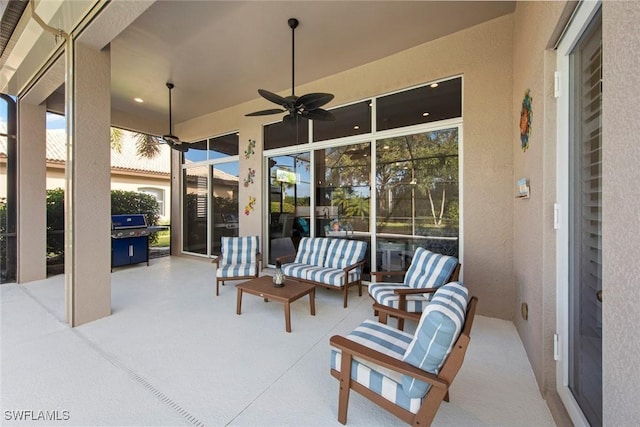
{"x": 401, "y": 313}
{"x": 440, "y": 383}
{"x": 219, "y": 280}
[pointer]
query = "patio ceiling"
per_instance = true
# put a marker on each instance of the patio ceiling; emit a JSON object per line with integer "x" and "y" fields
{"x": 218, "y": 53}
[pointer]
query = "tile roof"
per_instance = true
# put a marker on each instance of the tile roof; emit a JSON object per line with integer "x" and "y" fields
{"x": 127, "y": 159}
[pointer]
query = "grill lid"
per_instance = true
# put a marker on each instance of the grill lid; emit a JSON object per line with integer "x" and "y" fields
{"x": 119, "y": 222}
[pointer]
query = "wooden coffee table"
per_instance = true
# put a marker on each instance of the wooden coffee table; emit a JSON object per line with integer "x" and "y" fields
{"x": 291, "y": 291}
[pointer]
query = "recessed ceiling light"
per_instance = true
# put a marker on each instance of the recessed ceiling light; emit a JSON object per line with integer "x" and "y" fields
{"x": 140, "y": 100}
{"x": 434, "y": 85}
{"x": 425, "y": 114}
{"x": 356, "y": 127}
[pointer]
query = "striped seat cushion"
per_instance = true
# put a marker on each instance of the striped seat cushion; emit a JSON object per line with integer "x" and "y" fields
{"x": 331, "y": 276}
{"x": 383, "y": 294}
{"x": 438, "y": 329}
{"x": 384, "y": 382}
{"x": 239, "y": 250}
{"x": 342, "y": 253}
{"x": 236, "y": 270}
{"x": 429, "y": 270}
{"x": 295, "y": 270}
{"x": 312, "y": 251}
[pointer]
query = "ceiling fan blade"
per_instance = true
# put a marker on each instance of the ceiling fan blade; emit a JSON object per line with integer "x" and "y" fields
{"x": 171, "y": 139}
{"x": 319, "y": 114}
{"x": 273, "y": 97}
{"x": 180, "y": 147}
{"x": 266, "y": 112}
{"x": 311, "y": 101}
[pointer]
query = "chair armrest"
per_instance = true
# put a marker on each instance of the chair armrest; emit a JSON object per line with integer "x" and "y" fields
{"x": 259, "y": 261}
{"x": 286, "y": 258}
{"x": 217, "y": 260}
{"x": 392, "y": 311}
{"x": 352, "y": 266}
{"x": 414, "y": 291}
{"x": 381, "y": 274}
{"x": 386, "y": 361}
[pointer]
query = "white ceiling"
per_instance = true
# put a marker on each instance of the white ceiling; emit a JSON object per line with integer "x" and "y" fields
{"x": 218, "y": 53}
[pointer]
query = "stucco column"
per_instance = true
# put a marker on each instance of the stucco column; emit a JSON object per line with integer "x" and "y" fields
{"x": 88, "y": 183}
{"x": 32, "y": 171}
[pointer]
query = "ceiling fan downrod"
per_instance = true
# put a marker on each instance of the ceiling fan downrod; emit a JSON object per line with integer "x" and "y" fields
{"x": 293, "y": 24}
{"x": 170, "y": 86}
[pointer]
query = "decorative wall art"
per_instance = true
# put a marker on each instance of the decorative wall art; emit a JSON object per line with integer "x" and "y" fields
{"x": 249, "y": 179}
{"x": 249, "y": 151}
{"x": 250, "y": 206}
{"x": 525, "y": 120}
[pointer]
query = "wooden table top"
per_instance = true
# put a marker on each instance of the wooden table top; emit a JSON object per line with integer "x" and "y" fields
{"x": 263, "y": 286}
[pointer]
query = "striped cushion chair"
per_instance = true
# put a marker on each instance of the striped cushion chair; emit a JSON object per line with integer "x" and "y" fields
{"x": 427, "y": 272}
{"x": 311, "y": 254}
{"x": 409, "y": 375}
{"x": 342, "y": 266}
{"x": 240, "y": 259}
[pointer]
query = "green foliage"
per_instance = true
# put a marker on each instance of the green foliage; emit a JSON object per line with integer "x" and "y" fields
{"x": 116, "y": 139}
{"x": 147, "y": 146}
{"x": 55, "y": 221}
{"x": 130, "y": 202}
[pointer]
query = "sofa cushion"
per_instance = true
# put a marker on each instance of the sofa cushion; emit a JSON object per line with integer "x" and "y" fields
{"x": 384, "y": 382}
{"x": 438, "y": 329}
{"x": 312, "y": 251}
{"x": 295, "y": 270}
{"x": 383, "y": 293}
{"x": 331, "y": 276}
{"x": 343, "y": 252}
{"x": 239, "y": 250}
{"x": 429, "y": 269}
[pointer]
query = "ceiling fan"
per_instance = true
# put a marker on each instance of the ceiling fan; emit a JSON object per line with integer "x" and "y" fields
{"x": 306, "y": 106}
{"x": 170, "y": 139}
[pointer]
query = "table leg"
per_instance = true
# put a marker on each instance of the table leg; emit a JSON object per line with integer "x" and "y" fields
{"x": 287, "y": 316}
{"x": 312, "y": 301}
{"x": 239, "y": 301}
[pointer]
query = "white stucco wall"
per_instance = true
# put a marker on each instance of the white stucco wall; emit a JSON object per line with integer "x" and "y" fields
{"x": 482, "y": 54}
{"x": 621, "y": 227}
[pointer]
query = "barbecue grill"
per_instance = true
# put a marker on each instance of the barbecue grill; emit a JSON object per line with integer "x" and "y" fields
{"x": 130, "y": 239}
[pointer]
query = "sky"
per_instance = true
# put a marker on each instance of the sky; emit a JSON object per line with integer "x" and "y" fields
{"x": 54, "y": 121}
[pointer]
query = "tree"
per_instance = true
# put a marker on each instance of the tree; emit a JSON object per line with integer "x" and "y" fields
{"x": 147, "y": 146}
{"x": 416, "y": 176}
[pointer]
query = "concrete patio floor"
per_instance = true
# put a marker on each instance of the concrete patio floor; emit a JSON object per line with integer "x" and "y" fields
{"x": 174, "y": 354}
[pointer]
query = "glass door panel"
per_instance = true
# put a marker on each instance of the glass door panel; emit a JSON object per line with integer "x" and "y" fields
{"x": 195, "y": 205}
{"x": 417, "y": 196}
{"x": 289, "y": 202}
{"x": 585, "y": 249}
{"x": 224, "y": 203}
{"x": 343, "y": 193}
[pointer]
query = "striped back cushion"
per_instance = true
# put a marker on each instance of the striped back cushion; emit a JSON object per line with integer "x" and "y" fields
{"x": 439, "y": 328}
{"x": 429, "y": 270}
{"x": 239, "y": 250}
{"x": 343, "y": 252}
{"x": 312, "y": 251}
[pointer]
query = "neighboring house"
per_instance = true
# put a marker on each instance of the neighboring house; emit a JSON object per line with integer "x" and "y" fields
{"x": 129, "y": 172}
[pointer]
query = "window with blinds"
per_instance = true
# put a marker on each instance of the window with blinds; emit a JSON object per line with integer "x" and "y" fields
{"x": 585, "y": 251}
